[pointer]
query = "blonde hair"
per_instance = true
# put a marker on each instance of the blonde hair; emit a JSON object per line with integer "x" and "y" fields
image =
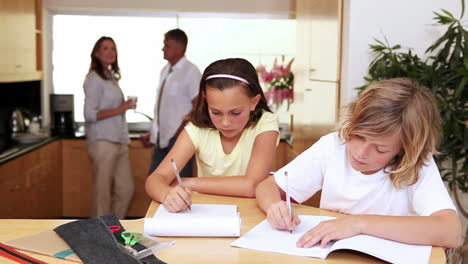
{"x": 398, "y": 105}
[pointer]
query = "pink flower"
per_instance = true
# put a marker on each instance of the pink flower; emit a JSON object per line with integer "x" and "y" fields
{"x": 261, "y": 69}
{"x": 278, "y": 82}
{"x": 267, "y": 77}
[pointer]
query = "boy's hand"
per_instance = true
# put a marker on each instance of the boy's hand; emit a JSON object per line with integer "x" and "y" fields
{"x": 178, "y": 199}
{"x": 278, "y": 217}
{"x": 326, "y": 231}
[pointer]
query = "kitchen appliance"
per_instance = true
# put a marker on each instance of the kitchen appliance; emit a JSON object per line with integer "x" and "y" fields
{"x": 20, "y": 120}
{"x": 62, "y": 115}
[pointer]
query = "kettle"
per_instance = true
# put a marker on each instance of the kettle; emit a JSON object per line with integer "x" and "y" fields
{"x": 19, "y": 121}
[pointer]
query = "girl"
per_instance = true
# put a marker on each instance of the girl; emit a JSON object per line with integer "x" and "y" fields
{"x": 232, "y": 133}
{"x": 107, "y": 132}
{"x": 378, "y": 168}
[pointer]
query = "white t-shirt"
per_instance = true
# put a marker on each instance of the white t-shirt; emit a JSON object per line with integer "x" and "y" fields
{"x": 211, "y": 159}
{"x": 180, "y": 87}
{"x": 325, "y": 166}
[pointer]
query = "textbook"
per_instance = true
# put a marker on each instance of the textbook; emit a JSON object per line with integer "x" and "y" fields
{"x": 263, "y": 237}
{"x": 203, "y": 220}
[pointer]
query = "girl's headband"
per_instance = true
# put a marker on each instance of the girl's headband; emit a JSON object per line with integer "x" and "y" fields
{"x": 227, "y": 76}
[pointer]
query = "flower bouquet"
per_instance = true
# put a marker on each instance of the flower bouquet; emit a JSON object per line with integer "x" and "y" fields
{"x": 279, "y": 82}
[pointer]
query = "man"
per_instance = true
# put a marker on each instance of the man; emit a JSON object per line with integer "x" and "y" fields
{"x": 177, "y": 93}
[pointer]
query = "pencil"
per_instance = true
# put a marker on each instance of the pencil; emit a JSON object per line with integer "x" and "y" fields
{"x": 179, "y": 180}
{"x": 288, "y": 198}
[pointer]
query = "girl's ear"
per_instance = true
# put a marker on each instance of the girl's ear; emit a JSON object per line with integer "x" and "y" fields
{"x": 254, "y": 101}
{"x": 204, "y": 95}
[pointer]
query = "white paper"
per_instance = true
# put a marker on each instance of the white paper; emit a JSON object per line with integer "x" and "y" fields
{"x": 205, "y": 220}
{"x": 265, "y": 238}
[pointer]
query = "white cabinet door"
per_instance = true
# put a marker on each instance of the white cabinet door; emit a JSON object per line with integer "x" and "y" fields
{"x": 316, "y": 105}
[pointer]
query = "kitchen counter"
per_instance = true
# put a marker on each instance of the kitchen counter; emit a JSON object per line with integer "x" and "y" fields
{"x": 20, "y": 149}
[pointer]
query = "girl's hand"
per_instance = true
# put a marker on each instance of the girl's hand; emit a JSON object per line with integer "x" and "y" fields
{"x": 336, "y": 229}
{"x": 278, "y": 217}
{"x": 178, "y": 199}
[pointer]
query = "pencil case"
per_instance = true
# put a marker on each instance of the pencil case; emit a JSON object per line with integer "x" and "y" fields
{"x": 95, "y": 243}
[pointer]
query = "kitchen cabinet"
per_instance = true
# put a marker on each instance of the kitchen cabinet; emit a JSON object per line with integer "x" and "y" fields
{"x": 140, "y": 159}
{"x": 77, "y": 184}
{"x": 316, "y": 86}
{"x": 31, "y": 184}
{"x": 21, "y": 44}
{"x": 78, "y": 179}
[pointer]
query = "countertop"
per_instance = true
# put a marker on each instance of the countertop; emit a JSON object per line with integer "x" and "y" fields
{"x": 19, "y": 149}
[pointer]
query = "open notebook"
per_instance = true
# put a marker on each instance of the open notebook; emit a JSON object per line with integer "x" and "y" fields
{"x": 203, "y": 220}
{"x": 265, "y": 238}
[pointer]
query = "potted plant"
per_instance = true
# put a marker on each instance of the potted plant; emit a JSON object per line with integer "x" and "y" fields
{"x": 445, "y": 70}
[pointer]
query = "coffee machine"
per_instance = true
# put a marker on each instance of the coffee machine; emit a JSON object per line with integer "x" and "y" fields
{"x": 62, "y": 115}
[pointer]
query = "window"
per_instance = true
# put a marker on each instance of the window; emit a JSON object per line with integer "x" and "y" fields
{"x": 139, "y": 41}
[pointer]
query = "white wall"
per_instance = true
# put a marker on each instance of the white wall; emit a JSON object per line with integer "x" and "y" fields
{"x": 404, "y": 22}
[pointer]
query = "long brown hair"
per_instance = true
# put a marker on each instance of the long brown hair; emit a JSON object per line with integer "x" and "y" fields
{"x": 237, "y": 67}
{"x": 398, "y": 105}
{"x": 96, "y": 64}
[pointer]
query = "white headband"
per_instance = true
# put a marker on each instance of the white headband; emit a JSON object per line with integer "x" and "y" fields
{"x": 227, "y": 76}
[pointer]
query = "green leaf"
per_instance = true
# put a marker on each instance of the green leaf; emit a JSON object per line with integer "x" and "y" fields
{"x": 441, "y": 19}
{"x": 442, "y": 39}
{"x": 463, "y": 9}
{"x": 448, "y": 14}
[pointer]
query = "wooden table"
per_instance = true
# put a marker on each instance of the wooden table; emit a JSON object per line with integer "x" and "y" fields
{"x": 206, "y": 250}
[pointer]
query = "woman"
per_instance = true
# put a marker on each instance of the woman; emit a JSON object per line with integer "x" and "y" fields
{"x": 107, "y": 132}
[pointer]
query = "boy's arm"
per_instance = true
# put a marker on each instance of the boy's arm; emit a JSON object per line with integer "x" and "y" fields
{"x": 268, "y": 193}
{"x": 442, "y": 228}
{"x": 269, "y": 200}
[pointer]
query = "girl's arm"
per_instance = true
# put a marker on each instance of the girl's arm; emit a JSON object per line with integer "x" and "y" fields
{"x": 260, "y": 164}
{"x": 158, "y": 184}
{"x": 442, "y": 228}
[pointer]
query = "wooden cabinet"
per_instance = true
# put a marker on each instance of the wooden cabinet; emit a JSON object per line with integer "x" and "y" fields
{"x": 284, "y": 155}
{"x": 77, "y": 185}
{"x": 21, "y": 42}
{"x": 31, "y": 184}
{"x": 140, "y": 159}
{"x": 78, "y": 179}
